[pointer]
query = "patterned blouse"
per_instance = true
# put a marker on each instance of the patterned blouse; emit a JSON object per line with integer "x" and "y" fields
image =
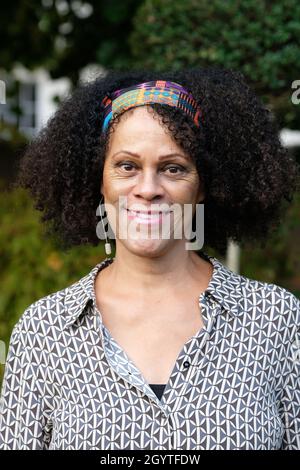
{"x": 235, "y": 384}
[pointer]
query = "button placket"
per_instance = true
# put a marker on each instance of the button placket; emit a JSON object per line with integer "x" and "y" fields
{"x": 202, "y": 355}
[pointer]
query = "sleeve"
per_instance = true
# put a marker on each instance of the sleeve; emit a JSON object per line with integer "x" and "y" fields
{"x": 22, "y": 424}
{"x": 290, "y": 401}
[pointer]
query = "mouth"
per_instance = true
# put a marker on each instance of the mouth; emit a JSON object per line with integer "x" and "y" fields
{"x": 147, "y": 217}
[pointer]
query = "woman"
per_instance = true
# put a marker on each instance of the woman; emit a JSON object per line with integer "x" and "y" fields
{"x": 160, "y": 347}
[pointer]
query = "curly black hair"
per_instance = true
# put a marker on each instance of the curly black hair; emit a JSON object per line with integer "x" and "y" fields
{"x": 247, "y": 174}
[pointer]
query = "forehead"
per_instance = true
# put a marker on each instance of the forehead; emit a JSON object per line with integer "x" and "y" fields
{"x": 137, "y": 117}
{"x": 140, "y": 124}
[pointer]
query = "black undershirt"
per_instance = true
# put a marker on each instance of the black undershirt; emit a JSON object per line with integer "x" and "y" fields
{"x": 158, "y": 389}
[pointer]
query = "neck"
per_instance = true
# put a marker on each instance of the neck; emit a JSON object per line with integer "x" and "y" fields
{"x": 171, "y": 271}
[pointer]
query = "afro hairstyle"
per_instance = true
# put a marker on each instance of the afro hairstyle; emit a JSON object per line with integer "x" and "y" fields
{"x": 248, "y": 176}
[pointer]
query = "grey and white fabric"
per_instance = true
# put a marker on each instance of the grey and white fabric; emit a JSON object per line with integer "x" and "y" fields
{"x": 235, "y": 384}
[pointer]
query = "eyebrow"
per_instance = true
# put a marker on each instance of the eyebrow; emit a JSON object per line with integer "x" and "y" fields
{"x": 161, "y": 157}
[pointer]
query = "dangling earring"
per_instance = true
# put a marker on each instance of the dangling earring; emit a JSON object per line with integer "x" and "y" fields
{"x": 107, "y": 245}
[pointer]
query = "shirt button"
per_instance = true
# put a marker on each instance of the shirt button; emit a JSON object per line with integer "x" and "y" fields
{"x": 186, "y": 364}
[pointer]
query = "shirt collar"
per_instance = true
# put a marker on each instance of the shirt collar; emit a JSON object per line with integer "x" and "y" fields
{"x": 224, "y": 288}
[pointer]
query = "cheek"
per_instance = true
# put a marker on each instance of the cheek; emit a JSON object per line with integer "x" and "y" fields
{"x": 112, "y": 186}
{"x": 187, "y": 190}
{"x": 116, "y": 184}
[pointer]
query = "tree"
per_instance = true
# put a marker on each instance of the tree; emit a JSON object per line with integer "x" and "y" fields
{"x": 64, "y": 36}
{"x": 260, "y": 39}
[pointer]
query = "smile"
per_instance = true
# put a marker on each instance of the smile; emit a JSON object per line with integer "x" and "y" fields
{"x": 146, "y": 218}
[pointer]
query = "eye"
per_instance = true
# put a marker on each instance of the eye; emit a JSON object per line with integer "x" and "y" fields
{"x": 125, "y": 164}
{"x": 177, "y": 167}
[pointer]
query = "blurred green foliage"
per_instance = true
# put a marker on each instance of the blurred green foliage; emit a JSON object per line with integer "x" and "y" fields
{"x": 64, "y": 36}
{"x": 260, "y": 39}
{"x": 279, "y": 261}
{"x": 31, "y": 265}
{"x": 12, "y": 145}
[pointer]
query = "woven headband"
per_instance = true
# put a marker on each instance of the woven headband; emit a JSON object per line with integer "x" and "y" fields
{"x": 158, "y": 91}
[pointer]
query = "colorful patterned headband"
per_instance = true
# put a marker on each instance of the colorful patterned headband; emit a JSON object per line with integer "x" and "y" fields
{"x": 158, "y": 91}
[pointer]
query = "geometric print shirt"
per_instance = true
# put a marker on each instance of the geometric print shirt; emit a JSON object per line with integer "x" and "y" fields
{"x": 235, "y": 384}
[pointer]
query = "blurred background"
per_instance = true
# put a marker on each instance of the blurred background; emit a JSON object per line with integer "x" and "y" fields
{"x": 47, "y": 47}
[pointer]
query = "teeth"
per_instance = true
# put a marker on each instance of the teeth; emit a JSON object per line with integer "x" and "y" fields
{"x": 147, "y": 216}
{"x": 144, "y": 215}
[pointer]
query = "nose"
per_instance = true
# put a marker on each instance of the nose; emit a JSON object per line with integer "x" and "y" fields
{"x": 149, "y": 186}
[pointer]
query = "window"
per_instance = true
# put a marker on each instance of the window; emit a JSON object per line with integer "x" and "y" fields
{"x": 20, "y": 107}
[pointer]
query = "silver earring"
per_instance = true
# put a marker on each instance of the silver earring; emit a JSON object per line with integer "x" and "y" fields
{"x": 107, "y": 245}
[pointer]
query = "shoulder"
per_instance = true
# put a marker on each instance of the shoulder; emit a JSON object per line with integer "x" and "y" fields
{"x": 50, "y": 313}
{"x": 254, "y": 300}
{"x": 271, "y": 303}
{"x": 40, "y": 317}
{"x": 279, "y": 297}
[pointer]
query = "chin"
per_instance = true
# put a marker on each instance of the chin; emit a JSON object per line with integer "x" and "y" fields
{"x": 147, "y": 248}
